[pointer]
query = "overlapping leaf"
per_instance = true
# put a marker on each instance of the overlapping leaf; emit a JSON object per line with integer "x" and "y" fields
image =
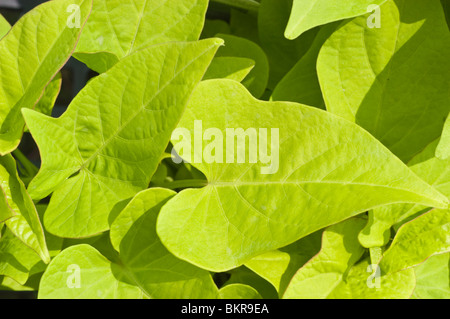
{"x": 306, "y": 14}
{"x": 417, "y": 240}
{"x": 433, "y": 278}
{"x": 256, "y": 80}
{"x": 144, "y": 269}
{"x": 118, "y": 28}
{"x": 30, "y": 56}
{"x": 443, "y": 149}
{"x": 21, "y": 216}
{"x": 330, "y": 167}
{"x": 434, "y": 171}
{"x": 392, "y": 80}
{"x": 322, "y": 274}
{"x": 112, "y": 136}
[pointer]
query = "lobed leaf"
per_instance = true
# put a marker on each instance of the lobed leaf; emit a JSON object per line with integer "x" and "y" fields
{"x": 443, "y": 149}
{"x": 111, "y": 138}
{"x": 330, "y": 167}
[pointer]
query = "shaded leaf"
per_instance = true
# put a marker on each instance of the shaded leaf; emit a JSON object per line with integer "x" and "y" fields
{"x": 117, "y": 28}
{"x": 43, "y": 49}
{"x": 393, "y": 81}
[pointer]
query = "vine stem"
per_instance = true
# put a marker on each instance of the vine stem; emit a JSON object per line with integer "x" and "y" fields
{"x": 187, "y": 183}
{"x": 243, "y": 4}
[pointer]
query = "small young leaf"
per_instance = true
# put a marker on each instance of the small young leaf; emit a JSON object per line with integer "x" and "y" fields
{"x": 48, "y": 99}
{"x": 111, "y": 138}
{"x": 417, "y": 240}
{"x": 238, "y": 291}
{"x": 144, "y": 269}
{"x": 231, "y": 68}
{"x": 256, "y": 81}
{"x": 30, "y": 56}
{"x": 340, "y": 250}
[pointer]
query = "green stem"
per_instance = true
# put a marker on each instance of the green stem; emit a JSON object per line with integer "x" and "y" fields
{"x": 187, "y": 183}
{"x": 29, "y": 167}
{"x": 375, "y": 255}
{"x": 243, "y": 4}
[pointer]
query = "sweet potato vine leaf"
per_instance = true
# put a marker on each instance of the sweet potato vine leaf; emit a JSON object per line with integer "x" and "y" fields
{"x": 434, "y": 171}
{"x": 393, "y": 80}
{"x": 307, "y": 14}
{"x": 22, "y": 217}
{"x": 332, "y": 273}
{"x": 330, "y": 167}
{"x": 118, "y": 28}
{"x": 145, "y": 269}
{"x": 30, "y": 56}
{"x": 112, "y": 136}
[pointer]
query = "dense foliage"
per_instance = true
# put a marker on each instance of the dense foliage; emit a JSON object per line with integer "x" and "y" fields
{"x": 228, "y": 149}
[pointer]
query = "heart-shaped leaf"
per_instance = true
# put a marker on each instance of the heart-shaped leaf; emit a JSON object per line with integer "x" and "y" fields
{"x": 246, "y": 209}
{"x": 144, "y": 269}
{"x": 109, "y": 146}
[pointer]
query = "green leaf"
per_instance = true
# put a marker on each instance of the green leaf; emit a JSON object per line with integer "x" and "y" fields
{"x": 433, "y": 278}
{"x": 238, "y": 291}
{"x": 282, "y": 53}
{"x": 330, "y": 167}
{"x": 434, "y": 171}
{"x": 301, "y": 83}
{"x": 340, "y": 250}
{"x": 243, "y": 275}
{"x": 393, "y": 80}
{"x": 256, "y": 81}
{"x": 415, "y": 241}
{"x": 231, "y": 68}
{"x": 48, "y": 99}
{"x": 144, "y": 269}
{"x": 443, "y": 149}
{"x": 117, "y": 28}
{"x": 30, "y": 56}
{"x": 111, "y": 138}
{"x": 307, "y": 14}
{"x": 16, "y": 259}
{"x": 23, "y": 218}
{"x": 363, "y": 282}
{"x": 4, "y": 26}
{"x": 279, "y": 266}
